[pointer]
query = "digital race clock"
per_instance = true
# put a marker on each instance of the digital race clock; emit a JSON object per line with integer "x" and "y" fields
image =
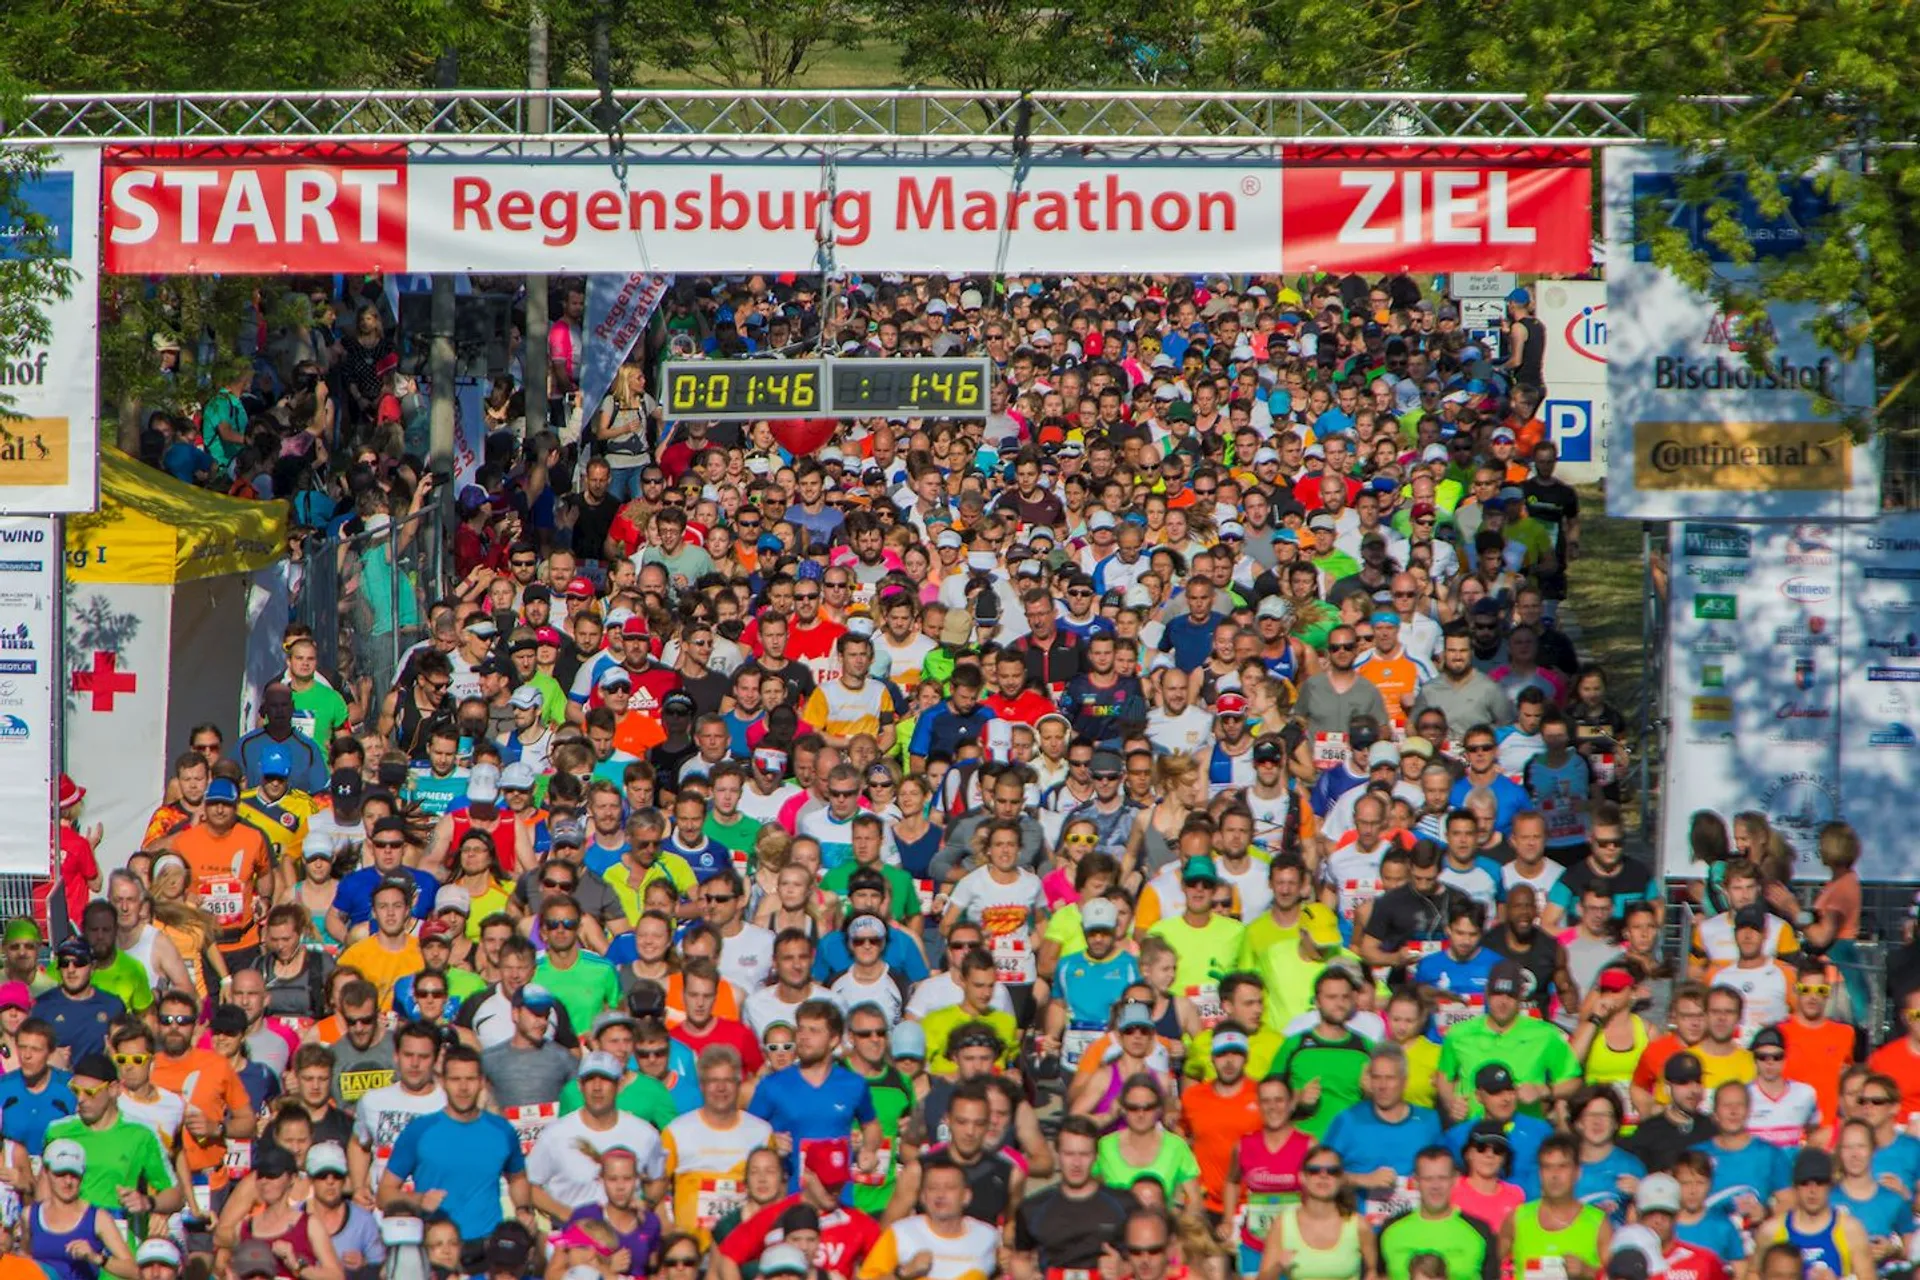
{"x": 743, "y": 389}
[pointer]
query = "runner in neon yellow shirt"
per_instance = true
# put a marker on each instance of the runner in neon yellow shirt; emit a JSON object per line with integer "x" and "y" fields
{"x": 1271, "y": 945}
{"x": 1206, "y": 942}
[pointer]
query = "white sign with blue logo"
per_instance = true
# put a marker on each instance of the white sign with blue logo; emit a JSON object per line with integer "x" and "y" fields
{"x": 29, "y": 631}
{"x": 1577, "y": 410}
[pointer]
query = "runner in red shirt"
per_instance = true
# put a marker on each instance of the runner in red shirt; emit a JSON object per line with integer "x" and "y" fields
{"x": 846, "y": 1235}
{"x": 1012, "y": 700}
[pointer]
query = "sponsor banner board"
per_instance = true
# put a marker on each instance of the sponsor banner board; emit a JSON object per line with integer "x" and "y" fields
{"x": 1578, "y": 410}
{"x": 1794, "y": 683}
{"x": 29, "y": 664}
{"x": 1698, "y": 431}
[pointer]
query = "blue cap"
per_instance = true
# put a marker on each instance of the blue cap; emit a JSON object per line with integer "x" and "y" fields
{"x": 223, "y": 791}
{"x": 909, "y": 1040}
{"x": 536, "y": 998}
{"x": 1134, "y": 1015}
{"x": 1520, "y": 296}
{"x": 1383, "y": 484}
{"x": 1285, "y": 535}
{"x": 276, "y": 763}
{"x": 1386, "y": 618}
{"x": 770, "y": 542}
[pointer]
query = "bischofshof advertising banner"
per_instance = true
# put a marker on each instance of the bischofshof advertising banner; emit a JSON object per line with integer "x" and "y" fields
{"x": 1793, "y": 684}
{"x": 371, "y": 208}
{"x": 49, "y": 434}
{"x": 1700, "y": 432}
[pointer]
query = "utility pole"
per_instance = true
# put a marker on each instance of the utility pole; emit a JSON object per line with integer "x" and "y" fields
{"x": 533, "y": 339}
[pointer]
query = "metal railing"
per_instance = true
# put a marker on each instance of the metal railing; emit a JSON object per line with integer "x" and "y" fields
{"x": 366, "y": 597}
{"x": 575, "y": 120}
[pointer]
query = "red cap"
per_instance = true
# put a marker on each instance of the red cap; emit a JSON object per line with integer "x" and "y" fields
{"x": 635, "y": 627}
{"x": 548, "y": 635}
{"x": 581, "y": 588}
{"x": 1093, "y": 344}
{"x": 696, "y": 533}
{"x": 831, "y": 1161}
{"x": 1421, "y": 510}
{"x": 386, "y": 364}
{"x": 1615, "y": 980}
{"x": 1230, "y": 704}
{"x": 437, "y": 928}
{"x": 71, "y": 792}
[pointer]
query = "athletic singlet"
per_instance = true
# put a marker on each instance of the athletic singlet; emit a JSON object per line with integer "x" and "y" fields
{"x": 1343, "y": 1261}
{"x": 1606, "y": 1065}
{"x": 1269, "y": 1181}
{"x": 1225, "y": 772}
{"x": 49, "y": 1247}
{"x": 296, "y": 1238}
{"x": 1533, "y": 1242}
{"x": 142, "y": 949}
{"x": 1284, "y": 666}
{"x": 1826, "y": 1246}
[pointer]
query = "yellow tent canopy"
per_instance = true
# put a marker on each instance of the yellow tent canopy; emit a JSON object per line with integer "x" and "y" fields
{"x": 152, "y": 529}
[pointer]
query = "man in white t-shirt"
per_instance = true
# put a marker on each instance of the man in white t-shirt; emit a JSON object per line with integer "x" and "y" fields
{"x": 746, "y": 950}
{"x": 380, "y": 1114}
{"x": 1177, "y": 727}
{"x": 767, "y": 791}
{"x": 793, "y": 984}
{"x": 565, "y": 1177}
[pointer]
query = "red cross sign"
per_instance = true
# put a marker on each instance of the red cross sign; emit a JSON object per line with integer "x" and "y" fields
{"x": 104, "y": 680}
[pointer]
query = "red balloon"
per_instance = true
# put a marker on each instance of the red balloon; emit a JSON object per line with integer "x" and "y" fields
{"x": 802, "y": 436}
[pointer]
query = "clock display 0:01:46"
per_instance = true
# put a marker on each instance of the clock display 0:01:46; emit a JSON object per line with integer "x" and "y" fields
{"x": 743, "y": 389}
{"x": 748, "y": 389}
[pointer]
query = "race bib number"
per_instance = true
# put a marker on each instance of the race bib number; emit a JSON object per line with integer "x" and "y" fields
{"x": 1074, "y": 1044}
{"x": 1563, "y": 818}
{"x": 716, "y": 1198}
{"x": 225, "y": 901}
{"x": 1329, "y": 749}
{"x": 882, "y": 1166}
{"x": 530, "y": 1120}
{"x": 1382, "y": 1205}
{"x": 1450, "y": 1014}
{"x": 239, "y": 1159}
{"x": 1013, "y": 960}
{"x": 1256, "y": 1218}
{"x": 1545, "y": 1269}
{"x": 933, "y": 903}
{"x": 1606, "y": 770}
{"x": 1206, "y": 1003}
{"x": 1355, "y": 892}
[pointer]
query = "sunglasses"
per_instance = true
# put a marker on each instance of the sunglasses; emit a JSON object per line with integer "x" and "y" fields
{"x": 1081, "y": 839}
{"x": 779, "y": 1046}
{"x": 963, "y": 946}
{"x": 1321, "y": 1170}
{"x": 838, "y": 794}
{"x": 1605, "y": 842}
{"x": 682, "y": 1262}
{"x": 570, "y": 922}
{"x": 1140, "y": 1108}
{"x": 1349, "y": 648}
{"x": 88, "y": 1091}
{"x": 1106, "y": 776}
{"x": 69, "y": 962}
{"x": 420, "y": 993}
{"x": 177, "y": 1019}
{"x": 1814, "y": 988}
{"x": 564, "y": 885}
{"x": 880, "y": 783}
{"x": 1769, "y": 1057}
{"x": 877, "y": 1033}
{"x": 366, "y": 1021}
{"x": 389, "y": 844}
{"x": 806, "y": 595}
{"x": 1146, "y": 1250}
{"x": 718, "y": 899}
{"x": 1865, "y": 1101}
{"x": 650, "y": 1053}
{"x": 132, "y": 1059}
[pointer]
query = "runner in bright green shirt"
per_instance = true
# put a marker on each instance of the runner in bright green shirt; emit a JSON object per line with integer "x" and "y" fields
{"x": 1535, "y": 1052}
{"x": 121, "y": 1153}
{"x": 902, "y": 893}
{"x": 1435, "y": 1226}
{"x": 1143, "y": 1147}
{"x": 1270, "y": 947}
{"x": 1323, "y": 1063}
{"x": 122, "y": 976}
{"x": 893, "y": 1094}
{"x": 585, "y": 984}
{"x": 318, "y": 709}
{"x": 1206, "y": 942}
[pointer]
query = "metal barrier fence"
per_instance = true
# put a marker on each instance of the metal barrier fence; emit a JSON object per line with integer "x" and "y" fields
{"x": 366, "y": 597}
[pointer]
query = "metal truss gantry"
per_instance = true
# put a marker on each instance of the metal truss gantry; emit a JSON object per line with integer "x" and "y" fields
{"x": 850, "y": 122}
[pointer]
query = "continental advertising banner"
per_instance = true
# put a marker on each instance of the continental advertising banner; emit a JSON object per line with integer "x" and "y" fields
{"x": 1698, "y": 431}
{"x": 1794, "y": 683}
{"x": 360, "y": 208}
{"x": 49, "y": 431}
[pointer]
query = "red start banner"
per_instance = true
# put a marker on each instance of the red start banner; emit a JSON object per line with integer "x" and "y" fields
{"x": 347, "y": 208}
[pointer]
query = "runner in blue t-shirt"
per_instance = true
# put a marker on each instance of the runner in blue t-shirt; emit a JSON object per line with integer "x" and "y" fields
{"x": 1090, "y": 982}
{"x": 1454, "y": 980}
{"x": 816, "y": 1099}
{"x": 462, "y": 1152}
{"x": 1383, "y": 1135}
{"x": 33, "y": 1095}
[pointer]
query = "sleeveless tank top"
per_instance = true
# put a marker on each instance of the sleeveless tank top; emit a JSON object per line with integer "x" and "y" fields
{"x": 1226, "y": 771}
{"x": 295, "y": 1236}
{"x": 1825, "y": 1246}
{"x": 1269, "y": 1181}
{"x": 50, "y": 1246}
{"x": 1578, "y": 1239}
{"x": 190, "y": 945}
{"x": 1605, "y": 1065}
{"x": 142, "y": 949}
{"x": 1284, "y": 666}
{"x": 1342, "y": 1261}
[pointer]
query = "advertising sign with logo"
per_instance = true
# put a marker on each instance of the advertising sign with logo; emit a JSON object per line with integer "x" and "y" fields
{"x": 50, "y": 446}
{"x": 365, "y": 207}
{"x": 1702, "y": 432}
{"x": 1578, "y": 410}
{"x": 29, "y": 634}
{"x": 1794, "y": 679}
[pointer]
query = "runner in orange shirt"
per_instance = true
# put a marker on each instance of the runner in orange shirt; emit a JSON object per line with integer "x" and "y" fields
{"x": 232, "y": 866}
{"x": 1900, "y": 1060}
{"x": 1390, "y": 668}
{"x": 1818, "y": 1048}
{"x": 1218, "y": 1113}
{"x": 218, "y": 1111}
